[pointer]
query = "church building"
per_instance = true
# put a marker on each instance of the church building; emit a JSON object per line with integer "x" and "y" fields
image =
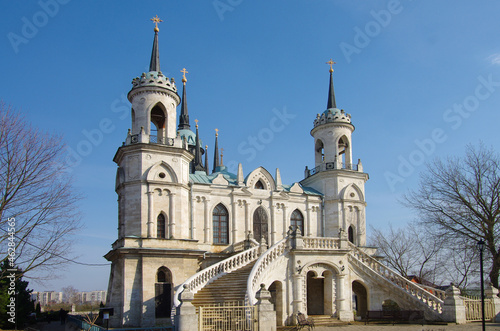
{"x": 193, "y": 236}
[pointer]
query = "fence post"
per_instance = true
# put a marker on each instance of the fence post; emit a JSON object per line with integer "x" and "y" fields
{"x": 491, "y": 293}
{"x": 454, "y": 307}
{"x": 186, "y": 317}
{"x": 265, "y": 310}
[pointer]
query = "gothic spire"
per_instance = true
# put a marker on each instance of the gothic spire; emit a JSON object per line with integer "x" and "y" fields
{"x": 184, "y": 116}
{"x": 154, "y": 65}
{"x": 198, "y": 165}
{"x": 216, "y": 151}
{"x": 206, "y": 159}
{"x": 331, "y": 93}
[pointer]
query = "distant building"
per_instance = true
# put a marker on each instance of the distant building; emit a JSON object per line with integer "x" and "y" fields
{"x": 47, "y": 297}
{"x": 92, "y": 296}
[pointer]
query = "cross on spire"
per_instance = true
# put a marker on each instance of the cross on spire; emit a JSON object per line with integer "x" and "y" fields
{"x": 331, "y": 63}
{"x": 156, "y": 20}
{"x": 216, "y": 132}
{"x": 184, "y": 72}
{"x": 196, "y": 121}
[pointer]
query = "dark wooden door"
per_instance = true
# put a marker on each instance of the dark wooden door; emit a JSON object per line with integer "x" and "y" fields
{"x": 163, "y": 299}
{"x": 260, "y": 225}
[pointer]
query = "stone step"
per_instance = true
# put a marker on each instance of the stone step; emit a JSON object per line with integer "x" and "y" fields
{"x": 228, "y": 288}
{"x": 326, "y": 320}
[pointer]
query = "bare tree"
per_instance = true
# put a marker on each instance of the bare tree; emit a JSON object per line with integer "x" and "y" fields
{"x": 70, "y": 294}
{"x": 38, "y": 209}
{"x": 460, "y": 198}
{"x": 410, "y": 251}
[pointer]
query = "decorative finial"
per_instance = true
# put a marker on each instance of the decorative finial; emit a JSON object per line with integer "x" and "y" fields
{"x": 184, "y": 72}
{"x": 221, "y": 156}
{"x": 156, "y": 20}
{"x": 216, "y": 132}
{"x": 196, "y": 121}
{"x": 206, "y": 147}
{"x": 331, "y": 63}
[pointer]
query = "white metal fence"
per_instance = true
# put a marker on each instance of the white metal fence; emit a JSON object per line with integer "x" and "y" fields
{"x": 473, "y": 309}
{"x": 228, "y": 317}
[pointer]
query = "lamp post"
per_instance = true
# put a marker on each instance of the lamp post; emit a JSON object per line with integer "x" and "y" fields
{"x": 480, "y": 246}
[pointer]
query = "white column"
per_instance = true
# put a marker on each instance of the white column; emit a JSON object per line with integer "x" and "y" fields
{"x": 206, "y": 228}
{"x": 247, "y": 217}
{"x": 150, "y": 214}
{"x": 233, "y": 221}
{"x": 284, "y": 225}
{"x": 273, "y": 225}
{"x": 172, "y": 215}
{"x": 308, "y": 226}
{"x": 344, "y": 314}
{"x": 298, "y": 294}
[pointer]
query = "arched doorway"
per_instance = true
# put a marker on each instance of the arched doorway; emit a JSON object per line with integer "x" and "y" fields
{"x": 359, "y": 298}
{"x": 163, "y": 293}
{"x": 260, "y": 225}
{"x": 276, "y": 290}
{"x": 315, "y": 294}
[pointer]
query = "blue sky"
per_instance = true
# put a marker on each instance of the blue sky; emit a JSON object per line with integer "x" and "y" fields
{"x": 421, "y": 79}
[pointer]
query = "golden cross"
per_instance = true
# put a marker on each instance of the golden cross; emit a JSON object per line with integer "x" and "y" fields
{"x": 157, "y": 20}
{"x": 216, "y": 132}
{"x": 184, "y": 72}
{"x": 196, "y": 121}
{"x": 331, "y": 63}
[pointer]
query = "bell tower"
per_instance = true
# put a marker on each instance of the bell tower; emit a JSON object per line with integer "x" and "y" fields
{"x": 154, "y": 100}
{"x": 335, "y": 174}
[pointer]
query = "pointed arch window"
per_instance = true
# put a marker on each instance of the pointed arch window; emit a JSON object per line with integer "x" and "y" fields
{"x": 220, "y": 218}
{"x": 160, "y": 227}
{"x": 320, "y": 151}
{"x": 297, "y": 220}
{"x": 157, "y": 124}
{"x": 259, "y": 185}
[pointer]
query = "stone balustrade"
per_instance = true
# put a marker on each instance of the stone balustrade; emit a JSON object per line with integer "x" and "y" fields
{"x": 434, "y": 303}
{"x": 320, "y": 243}
{"x": 257, "y": 274}
{"x": 202, "y": 278}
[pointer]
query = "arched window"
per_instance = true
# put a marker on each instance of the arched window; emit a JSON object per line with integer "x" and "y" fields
{"x": 319, "y": 152}
{"x": 157, "y": 124}
{"x": 160, "y": 227}
{"x": 220, "y": 218}
{"x": 259, "y": 185}
{"x": 297, "y": 220}
{"x": 350, "y": 234}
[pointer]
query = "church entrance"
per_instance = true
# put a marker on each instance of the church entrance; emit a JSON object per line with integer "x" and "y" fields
{"x": 163, "y": 293}
{"x": 315, "y": 294}
{"x": 260, "y": 225}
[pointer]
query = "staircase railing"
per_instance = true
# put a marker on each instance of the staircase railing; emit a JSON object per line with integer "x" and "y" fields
{"x": 256, "y": 275}
{"x": 203, "y": 277}
{"x": 359, "y": 257}
{"x": 319, "y": 243}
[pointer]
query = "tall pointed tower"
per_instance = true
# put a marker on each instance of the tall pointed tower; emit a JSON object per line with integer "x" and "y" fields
{"x": 152, "y": 184}
{"x": 341, "y": 181}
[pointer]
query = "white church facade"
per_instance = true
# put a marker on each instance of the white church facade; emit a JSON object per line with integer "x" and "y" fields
{"x": 189, "y": 237}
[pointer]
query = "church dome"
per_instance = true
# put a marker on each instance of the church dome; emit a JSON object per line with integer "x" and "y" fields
{"x": 189, "y": 135}
{"x": 332, "y": 115}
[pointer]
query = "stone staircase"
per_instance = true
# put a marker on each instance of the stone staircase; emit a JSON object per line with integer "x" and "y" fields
{"x": 228, "y": 289}
{"x": 326, "y": 320}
